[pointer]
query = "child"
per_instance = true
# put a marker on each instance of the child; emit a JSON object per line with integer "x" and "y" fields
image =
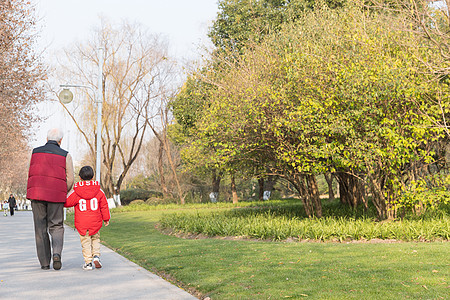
{"x": 91, "y": 209}
{"x": 5, "y": 207}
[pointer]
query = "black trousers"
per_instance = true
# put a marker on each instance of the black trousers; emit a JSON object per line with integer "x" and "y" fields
{"x": 11, "y": 211}
{"x": 48, "y": 222}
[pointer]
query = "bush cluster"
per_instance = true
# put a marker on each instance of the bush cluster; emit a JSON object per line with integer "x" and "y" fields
{"x": 289, "y": 222}
{"x": 129, "y": 195}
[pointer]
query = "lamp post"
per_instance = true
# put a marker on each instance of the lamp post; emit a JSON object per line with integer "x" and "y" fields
{"x": 99, "y": 112}
{"x": 66, "y": 96}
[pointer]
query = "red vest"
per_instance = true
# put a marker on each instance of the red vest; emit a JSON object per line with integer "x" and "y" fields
{"x": 47, "y": 174}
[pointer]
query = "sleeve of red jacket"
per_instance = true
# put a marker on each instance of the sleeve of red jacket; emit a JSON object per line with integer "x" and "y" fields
{"x": 72, "y": 200}
{"x": 104, "y": 207}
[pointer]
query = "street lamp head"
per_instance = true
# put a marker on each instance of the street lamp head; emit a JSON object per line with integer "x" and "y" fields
{"x": 65, "y": 96}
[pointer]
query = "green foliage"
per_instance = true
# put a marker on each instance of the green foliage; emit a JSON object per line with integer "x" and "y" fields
{"x": 241, "y": 21}
{"x": 336, "y": 91}
{"x": 160, "y": 201}
{"x": 128, "y": 195}
{"x": 137, "y": 202}
{"x": 424, "y": 194}
{"x": 176, "y": 134}
{"x": 238, "y": 23}
{"x": 188, "y": 106}
{"x": 165, "y": 205}
{"x": 315, "y": 91}
{"x": 140, "y": 182}
{"x": 190, "y": 102}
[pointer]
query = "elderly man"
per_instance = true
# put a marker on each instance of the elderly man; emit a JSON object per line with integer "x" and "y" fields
{"x": 49, "y": 179}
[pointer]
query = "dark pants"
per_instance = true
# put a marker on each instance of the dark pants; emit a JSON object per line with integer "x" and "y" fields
{"x": 48, "y": 218}
{"x": 11, "y": 211}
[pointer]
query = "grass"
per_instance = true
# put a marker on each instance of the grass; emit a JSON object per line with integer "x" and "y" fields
{"x": 246, "y": 269}
{"x": 146, "y": 207}
{"x": 277, "y": 221}
{"x": 269, "y": 225}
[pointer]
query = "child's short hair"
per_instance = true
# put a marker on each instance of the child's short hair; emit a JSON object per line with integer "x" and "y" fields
{"x": 86, "y": 173}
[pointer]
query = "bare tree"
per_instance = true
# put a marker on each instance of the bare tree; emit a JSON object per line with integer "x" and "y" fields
{"x": 21, "y": 78}
{"x": 161, "y": 134}
{"x": 132, "y": 79}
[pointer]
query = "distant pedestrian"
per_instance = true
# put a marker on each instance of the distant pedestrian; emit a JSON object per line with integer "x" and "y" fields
{"x": 91, "y": 210}
{"x": 5, "y": 207}
{"x": 12, "y": 204}
{"x": 49, "y": 179}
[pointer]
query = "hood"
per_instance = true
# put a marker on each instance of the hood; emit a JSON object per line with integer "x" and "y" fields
{"x": 87, "y": 189}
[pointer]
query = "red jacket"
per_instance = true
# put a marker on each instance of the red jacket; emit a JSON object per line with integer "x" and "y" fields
{"x": 91, "y": 206}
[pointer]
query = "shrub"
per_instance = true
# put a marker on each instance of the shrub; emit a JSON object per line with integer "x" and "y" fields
{"x": 424, "y": 194}
{"x": 128, "y": 195}
{"x": 138, "y": 202}
{"x": 159, "y": 201}
{"x": 280, "y": 222}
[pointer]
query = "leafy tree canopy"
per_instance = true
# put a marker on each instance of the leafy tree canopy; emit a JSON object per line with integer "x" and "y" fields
{"x": 241, "y": 21}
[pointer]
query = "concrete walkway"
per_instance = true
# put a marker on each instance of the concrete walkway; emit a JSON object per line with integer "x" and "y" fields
{"x": 22, "y": 278}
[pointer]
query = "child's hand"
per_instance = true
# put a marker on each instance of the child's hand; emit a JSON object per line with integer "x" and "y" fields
{"x": 106, "y": 223}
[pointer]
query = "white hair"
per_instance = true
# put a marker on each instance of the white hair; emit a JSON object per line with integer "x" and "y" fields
{"x": 55, "y": 134}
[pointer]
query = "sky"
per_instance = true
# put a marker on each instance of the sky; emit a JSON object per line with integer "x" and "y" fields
{"x": 183, "y": 23}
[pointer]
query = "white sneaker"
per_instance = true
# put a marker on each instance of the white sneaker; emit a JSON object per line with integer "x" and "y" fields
{"x": 97, "y": 262}
{"x": 88, "y": 266}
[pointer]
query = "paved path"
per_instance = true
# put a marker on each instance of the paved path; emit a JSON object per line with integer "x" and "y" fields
{"x": 22, "y": 278}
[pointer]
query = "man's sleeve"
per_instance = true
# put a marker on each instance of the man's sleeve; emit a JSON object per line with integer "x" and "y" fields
{"x": 69, "y": 172}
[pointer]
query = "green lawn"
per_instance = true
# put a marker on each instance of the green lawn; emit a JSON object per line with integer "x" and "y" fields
{"x": 243, "y": 269}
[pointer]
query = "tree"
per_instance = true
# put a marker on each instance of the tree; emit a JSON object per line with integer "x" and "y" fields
{"x": 335, "y": 92}
{"x": 165, "y": 146}
{"x": 133, "y": 77}
{"x": 239, "y": 24}
{"x": 187, "y": 108}
{"x": 21, "y": 87}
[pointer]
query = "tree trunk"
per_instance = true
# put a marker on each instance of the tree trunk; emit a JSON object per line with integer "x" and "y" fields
{"x": 107, "y": 185}
{"x": 343, "y": 186}
{"x": 361, "y": 191}
{"x": 268, "y": 186}
{"x": 116, "y": 197}
{"x": 299, "y": 183}
{"x": 447, "y": 155}
{"x": 391, "y": 210}
{"x": 351, "y": 189}
{"x": 261, "y": 188}
{"x": 305, "y": 197}
{"x": 233, "y": 189}
{"x": 166, "y": 143}
{"x": 166, "y": 146}
{"x": 378, "y": 198}
{"x": 314, "y": 195}
{"x": 216, "y": 178}
{"x": 329, "y": 179}
{"x": 174, "y": 171}
{"x": 162, "y": 178}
